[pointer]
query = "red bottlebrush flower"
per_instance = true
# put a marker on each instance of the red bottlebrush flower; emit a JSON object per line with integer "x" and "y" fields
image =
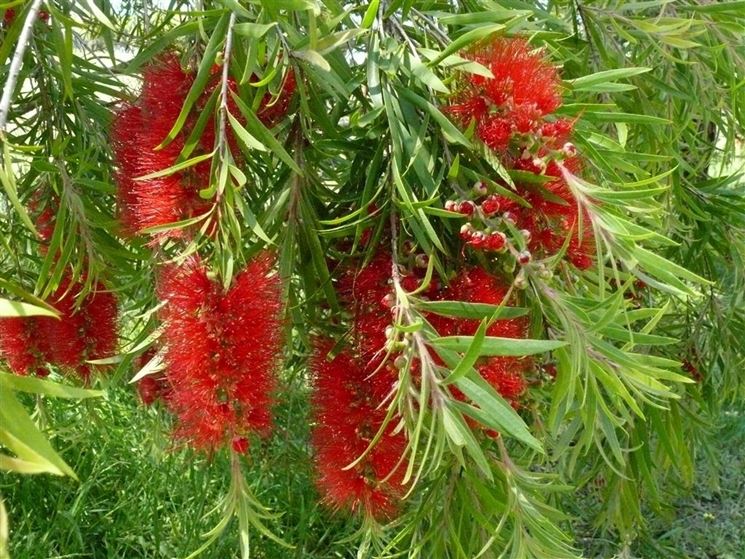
{"x": 164, "y": 88}
{"x": 524, "y": 89}
{"x": 505, "y": 374}
{"x": 522, "y": 77}
{"x": 222, "y": 349}
{"x": 240, "y": 445}
{"x": 557, "y": 131}
{"x": 136, "y": 133}
{"x": 63, "y": 338}
{"x": 18, "y": 345}
{"x": 9, "y": 16}
{"x": 347, "y": 417}
{"x": 495, "y": 133}
{"x": 77, "y": 335}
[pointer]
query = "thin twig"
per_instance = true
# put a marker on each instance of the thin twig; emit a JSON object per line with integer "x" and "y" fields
{"x": 425, "y": 359}
{"x": 222, "y": 141}
{"x": 16, "y": 63}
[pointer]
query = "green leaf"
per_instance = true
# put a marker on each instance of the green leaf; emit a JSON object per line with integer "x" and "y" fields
{"x": 19, "y": 434}
{"x": 499, "y": 346}
{"x": 99, "y": 15}
{"x": 498, "y": 414}
{"x": 244, "y": 136}
{"x": 18, "y": 308}
{"x": 469, "y": 310}
{"x": 176, "y": 168}
{"x": 370, "y": 14}
{"x": 470, "y": 356}
{"x": 159, "y": 43}
{"x": 606, "y": 76}
{"x": 46, "y": 387}
{"x": 448, "y": 128}
{"x": 467, "y": 39}
{"x": 313, "y": 57}
{"x": 259, "y": 131}
{"x": 253, "y": 30}
{"x": 7, "y": 177}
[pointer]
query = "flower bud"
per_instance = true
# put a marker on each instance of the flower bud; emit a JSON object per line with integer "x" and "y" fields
{"x": 466, "y": 231}
{"x": 496, "y": 241}
{"x": 466, "y": 207}
{"x": 490, "y": 205}
{"x": 524, "y": 257}
{"x": 569, "y": 149}
{"x": 479, "y": 189}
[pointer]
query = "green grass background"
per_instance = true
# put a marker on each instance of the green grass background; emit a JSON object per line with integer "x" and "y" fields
{"x": 140, "y": 497}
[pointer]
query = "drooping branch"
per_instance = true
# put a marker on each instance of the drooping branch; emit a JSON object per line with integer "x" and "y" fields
{"x": 16, "y": 63}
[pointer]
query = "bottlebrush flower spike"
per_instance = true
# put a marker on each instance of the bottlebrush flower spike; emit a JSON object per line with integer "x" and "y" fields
{"x": 99, "y": 311}
{"x": 222, "y": 350}
{"x": 141, "y": 127}
{"x": 524, "y": 89}
{"x": 63, "y": 341}
{"x": 347, "y": 417}
{"x": 137, "y": 131}
{"x": 79, "y": 334}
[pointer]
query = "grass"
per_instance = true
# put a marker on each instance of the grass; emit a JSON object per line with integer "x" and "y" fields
{"x": 710, "y": 522}
{"x": 139, "y": 497}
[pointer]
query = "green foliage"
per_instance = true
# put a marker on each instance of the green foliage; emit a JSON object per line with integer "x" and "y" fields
{"x": 657, "y": 90}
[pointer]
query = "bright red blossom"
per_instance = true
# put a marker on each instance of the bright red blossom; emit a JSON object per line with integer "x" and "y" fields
{"x": 524, "y": 89}
{"x": 222, "y": 350}
{"x": 19, "y": 347}
{"x": 141, "y": 127}
{"x": 86, "y": 330}
{"x": 348, "y": 414}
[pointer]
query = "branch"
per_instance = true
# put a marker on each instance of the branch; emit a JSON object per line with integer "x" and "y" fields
{"x": 221, "y": 139}
{"x": 16, "y": 63}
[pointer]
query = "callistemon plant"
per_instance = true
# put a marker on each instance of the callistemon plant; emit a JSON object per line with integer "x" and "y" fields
{"x": 424, "y": 279}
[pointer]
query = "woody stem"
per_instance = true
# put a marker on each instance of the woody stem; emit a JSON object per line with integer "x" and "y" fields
{"x": 16, "y": 63}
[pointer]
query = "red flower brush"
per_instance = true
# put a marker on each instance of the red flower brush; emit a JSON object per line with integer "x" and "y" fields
{"x": 524, "y": 89}
{"x": 222, "y": 349}
{"x": 141, "y": 127}
{"x": 347, "y": 417}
